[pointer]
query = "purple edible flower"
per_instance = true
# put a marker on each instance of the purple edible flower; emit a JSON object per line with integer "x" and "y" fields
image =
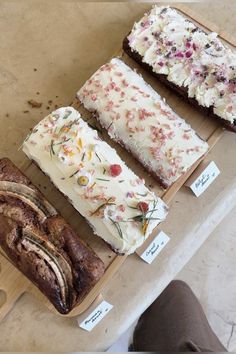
{"x": 188, "y": 54}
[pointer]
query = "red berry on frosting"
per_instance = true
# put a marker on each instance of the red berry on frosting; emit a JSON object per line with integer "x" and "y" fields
{"x": 115, "y": 170}
{"x": 143, "y": 206}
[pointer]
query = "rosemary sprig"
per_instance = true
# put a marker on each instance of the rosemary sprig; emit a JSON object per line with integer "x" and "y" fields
{"x": 117, "y": 226}
{"x": 103, "y": 179}
{"x": 98, "y": 157}
{"x": 108, "y": 202}
{"x": 141, "y": 218}
{"x": 83, "y": 156}
{"x": 73, "y": 174}
{"x": 104, "y": 171}
{"x": 27, "y": 138}
{"x": 62, "y": 142}
{"x": 146, "y": 223}
{"x": 145, "y": 218}
{"x": 53, "y": 144}
{"x": 121, "y": 181}
{"x": 109, "y": 125}
{"x": 132, "y": 207}
{"x": 142, "y": 195}
{"x": 52, "y": 152}
{"x": 73, "y": 122}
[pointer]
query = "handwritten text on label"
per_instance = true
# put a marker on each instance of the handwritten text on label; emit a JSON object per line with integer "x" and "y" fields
{"x": 155, "y": 247}
{"x": 96, "y": 316}
{"x": 205, "y": 179}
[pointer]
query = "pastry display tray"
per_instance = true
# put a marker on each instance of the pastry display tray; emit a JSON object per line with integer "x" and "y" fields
{"x": 13, "y": 284}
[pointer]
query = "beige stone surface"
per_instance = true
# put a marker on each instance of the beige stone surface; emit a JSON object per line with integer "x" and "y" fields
{"x": 211, "y": 275}
{"x": 65, "y": 44}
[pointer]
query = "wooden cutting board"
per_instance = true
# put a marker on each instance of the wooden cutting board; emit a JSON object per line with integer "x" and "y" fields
{"x": 14, "y": 284}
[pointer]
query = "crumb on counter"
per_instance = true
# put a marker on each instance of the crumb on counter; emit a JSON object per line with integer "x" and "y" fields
{"x": 34, "y": 104}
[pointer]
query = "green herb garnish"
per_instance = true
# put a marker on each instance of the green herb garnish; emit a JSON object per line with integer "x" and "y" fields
{"x": 62, "y": 142}
{"x": 83, "y": 156}
{"x": 98, "y": 157}
{"x": 144, "y": 218}
{"x": 142, "y": 195}
{"x": 73, "y": 174}
{"x": 53, "y": 144}
{"x": 108, "y": 202}
{"x": 103, "y": 179}
{"x": 117, "y": 226}
{"x": 132, "y": 207}
{"x": 109, "y": 125}
{"x": 27, "y": 137}
{"x": 52, "y": 152}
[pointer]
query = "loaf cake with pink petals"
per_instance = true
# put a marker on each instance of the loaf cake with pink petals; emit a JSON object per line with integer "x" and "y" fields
{"x": 140, "y": 120}
{"x": 194, "y": 63}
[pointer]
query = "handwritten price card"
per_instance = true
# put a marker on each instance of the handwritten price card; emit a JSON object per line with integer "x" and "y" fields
{"x": 96, "y": 316}
{"x": 203, "y": 177}
{"x": 154, "y": 248}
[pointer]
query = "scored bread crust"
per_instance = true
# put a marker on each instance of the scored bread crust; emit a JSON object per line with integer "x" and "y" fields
{"x": 44, "y": 247}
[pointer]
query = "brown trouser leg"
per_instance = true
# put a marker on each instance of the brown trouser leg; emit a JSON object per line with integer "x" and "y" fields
{"x": 175, "y": 322}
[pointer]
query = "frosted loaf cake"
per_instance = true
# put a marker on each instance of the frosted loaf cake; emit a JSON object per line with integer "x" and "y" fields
{"x": 97, "y": 182}
{"x": 194, "y": 63}
{"x": 137, "y": 117}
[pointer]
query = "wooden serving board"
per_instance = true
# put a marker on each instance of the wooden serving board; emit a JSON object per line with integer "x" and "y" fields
{"x": 14, "y": 284}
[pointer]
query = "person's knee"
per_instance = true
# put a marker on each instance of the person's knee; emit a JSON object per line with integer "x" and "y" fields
{"x": 178, "y": 286}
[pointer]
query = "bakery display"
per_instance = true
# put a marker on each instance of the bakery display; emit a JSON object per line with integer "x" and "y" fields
{"x": 115, "y": 201}
{"x": 41, "y": 244}
{"x": 194, "y": 63}
{"x": 140, "y": 120}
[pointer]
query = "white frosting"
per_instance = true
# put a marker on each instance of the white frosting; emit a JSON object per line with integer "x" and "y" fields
{"x": 173, "y": 46}
{"x": 63, "y": 144}
{"x": 137, "y": 117}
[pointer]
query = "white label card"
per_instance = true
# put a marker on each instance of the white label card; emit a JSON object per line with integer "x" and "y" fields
{"x": 155, "y": 247}
{"x": 204, "y": 180}
{"x": 96, "y": 316}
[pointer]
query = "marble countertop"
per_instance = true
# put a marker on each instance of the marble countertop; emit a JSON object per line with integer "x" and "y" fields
{"x": 46, "y": 54}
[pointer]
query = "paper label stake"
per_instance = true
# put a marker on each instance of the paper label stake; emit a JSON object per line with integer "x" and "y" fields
{"x": 203, "y": 178}
{"x": 154, "y": 247}
{"x": 96, "y": 316}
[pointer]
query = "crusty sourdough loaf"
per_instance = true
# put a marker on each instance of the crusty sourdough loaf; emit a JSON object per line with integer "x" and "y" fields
{"x": 41, "y": 244}
{"x": 185, "y": 58}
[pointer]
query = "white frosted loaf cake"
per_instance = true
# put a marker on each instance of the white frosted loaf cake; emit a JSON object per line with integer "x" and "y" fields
{"x": 137, "y": 117}
{"x": 195, "y": 63}
{"x": 115, "y": 202}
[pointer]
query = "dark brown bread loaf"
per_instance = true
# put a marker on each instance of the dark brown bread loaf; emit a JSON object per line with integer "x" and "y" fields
{"x": 41, "y": 244}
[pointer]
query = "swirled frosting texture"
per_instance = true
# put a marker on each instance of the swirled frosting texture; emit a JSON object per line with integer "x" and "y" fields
{"x": 97, "y": 182}
{"x": 190, "y": 57}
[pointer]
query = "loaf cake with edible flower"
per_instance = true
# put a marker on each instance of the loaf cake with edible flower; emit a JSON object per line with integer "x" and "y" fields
{"x": 41, "y": 244}
{"x": 115, "y": 201}
{"x": 137, "y": 117}
{"x": 194, "y": 63}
